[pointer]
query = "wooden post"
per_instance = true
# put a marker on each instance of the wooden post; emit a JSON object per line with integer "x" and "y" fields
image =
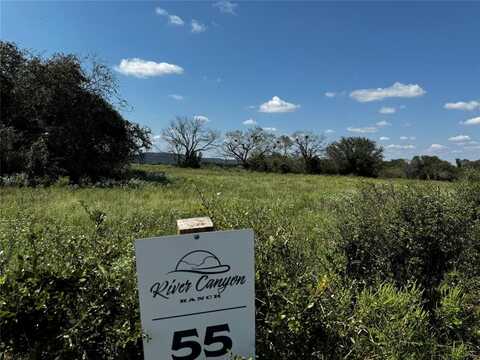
{"x": 194, "y": 225}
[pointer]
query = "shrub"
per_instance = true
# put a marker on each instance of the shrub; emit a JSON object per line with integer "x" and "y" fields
{"x": 19, "y": 179}
{"x": 457, "y": 316}
{"x": 275, "y": 163}
{"x": 40, "y": 168}
{"x": 391, "y": 324}
{"x": 82, "y": 315}
{"x": 326, "y": 166}
{"x": 393, "y": 169}
{"x": 431, "y": 168}
{"x": 468, "y": 164}
{"x": 414, "y": 233}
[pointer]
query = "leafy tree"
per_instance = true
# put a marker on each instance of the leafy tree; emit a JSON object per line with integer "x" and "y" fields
{"x": 356, "y": 155}
{"x": 11, "y": 160}
{"x": 243, "y": 145}
{"x": 431, "y": 168}
{"x": 64, "y": 108}
{"x": 309, "y": 147}
{"x": 188, "y": 138}
{"x": 465, "y": 164}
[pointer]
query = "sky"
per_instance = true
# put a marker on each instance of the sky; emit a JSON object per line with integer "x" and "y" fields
{"x": 405, "y": 74}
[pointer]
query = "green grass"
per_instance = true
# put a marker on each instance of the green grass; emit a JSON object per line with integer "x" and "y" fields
{"x": 306, "y": 204}
{"x": 306, "y": 199}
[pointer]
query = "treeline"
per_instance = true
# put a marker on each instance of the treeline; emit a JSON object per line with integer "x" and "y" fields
{"x": 302, "y": 152}
{"x": 428, "y": 168}
{"x": 59, "y": 117}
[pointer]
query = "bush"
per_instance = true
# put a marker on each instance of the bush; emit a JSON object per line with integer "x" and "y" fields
{"x": 414, "y": 233}
{"x": 424, "y": 235}
{"x": 18, "y": 180}
{"x": 468, "y": 164}
{"x": 391, "y": 324}
{"x": 326, "y": 166}
{"x": 457, "y": 316}
{"x": 59, "y": 300}
{"x": 393, "y": 169}
{"x": 77, "y": 316}
{"x": 431, "y": 168}
{"x": 275, "y": 163}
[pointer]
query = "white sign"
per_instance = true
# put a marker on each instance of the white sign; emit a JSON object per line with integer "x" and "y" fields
{"x": 197, "y": 294}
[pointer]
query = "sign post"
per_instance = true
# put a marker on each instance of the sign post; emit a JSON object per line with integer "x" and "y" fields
{"x": 197, "y": 295}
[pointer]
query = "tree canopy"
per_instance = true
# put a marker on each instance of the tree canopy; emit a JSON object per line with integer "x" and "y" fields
{"x": 356, "y": 155}
{"x": 188, "y": 138}
{"x": 242, "y": 145}
{"x": 58, "y": 118}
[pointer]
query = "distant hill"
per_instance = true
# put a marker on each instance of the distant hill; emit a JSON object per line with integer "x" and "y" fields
{"x": 170, "y": 159}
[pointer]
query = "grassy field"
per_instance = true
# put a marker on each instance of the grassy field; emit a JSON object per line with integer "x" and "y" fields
{"x": 67, "y": 253}
{"x": 302, "y": 199}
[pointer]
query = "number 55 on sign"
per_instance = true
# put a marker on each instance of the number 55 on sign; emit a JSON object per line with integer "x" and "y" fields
{"x": 197, "y": 295}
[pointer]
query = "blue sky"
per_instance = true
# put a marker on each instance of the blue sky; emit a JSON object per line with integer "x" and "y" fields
{"x": 406, "y": 74}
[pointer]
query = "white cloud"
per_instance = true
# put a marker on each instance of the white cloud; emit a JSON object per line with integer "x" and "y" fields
{"x": 143, "y": 68}
{"x": 330, "y": 94}
{"x": 400, "y": 147}
{"x": 363, "y": 130}
{"x": 436, "y": 147}
{"x": 197, "y": 27}
{"x": 462, "y": 105}
{"x": 329, "y": 131}
{"x": 175, "y": 20}
{"x": 398, "y": 90}
{"x": 472, "y": 121}
{"x": 408, "y": 138}
{"x": 201, "y": 118}
{"x": 250, "y": 122}
{"x": 176, "y": 97}
{"x": 172, "y": 19}
{"x": 383, "y": 123}
{"x": 226, "y": 6}
{"x": 459, "y": 138}
{"x": 160, "y": 11}
{"x": 387, "y": 110}
{"x": 270, "y": 129}
{"x": 277, "y": 105}
{"x": 384, "y": 138}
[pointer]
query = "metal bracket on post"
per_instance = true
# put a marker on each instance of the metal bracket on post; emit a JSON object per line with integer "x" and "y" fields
{"x": 194, "y": 225}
